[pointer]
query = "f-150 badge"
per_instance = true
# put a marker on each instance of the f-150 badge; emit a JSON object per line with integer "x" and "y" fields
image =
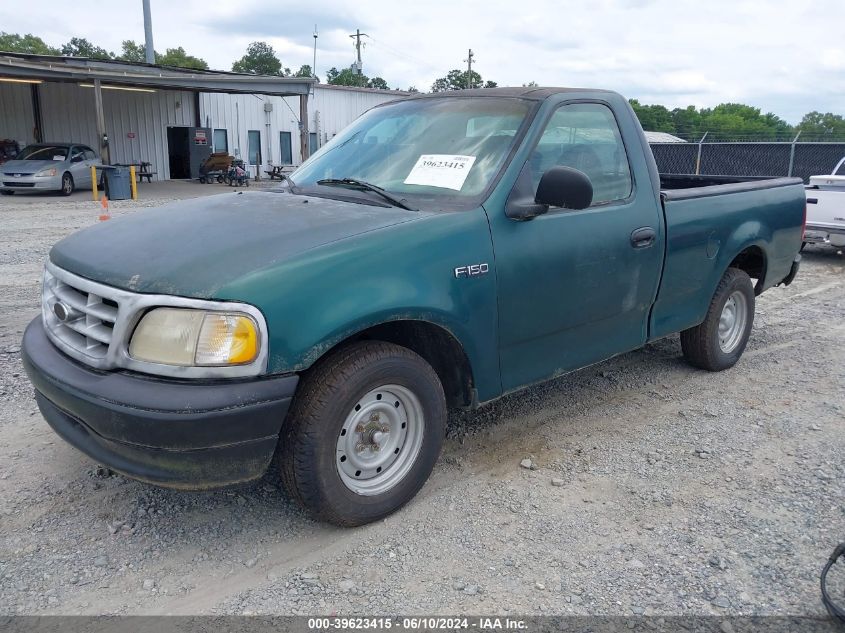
{"x": 472, "y": 270}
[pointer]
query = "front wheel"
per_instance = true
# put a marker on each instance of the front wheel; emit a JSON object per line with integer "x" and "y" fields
{"x": 364, "y": 432}
{"x": 67, "y": 184}
{"x": 719, "y": 341}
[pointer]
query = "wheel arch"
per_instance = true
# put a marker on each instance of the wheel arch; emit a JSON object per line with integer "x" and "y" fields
{"x": 753, "y": 261}
{"x": 435, "y": 343}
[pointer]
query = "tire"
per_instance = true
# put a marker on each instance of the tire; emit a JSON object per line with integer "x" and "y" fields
{"x": 361, "y": 386}
{"x": 7, "y": 192}
{"x": 719, "y": 341}
{"x": 67, "y": 184}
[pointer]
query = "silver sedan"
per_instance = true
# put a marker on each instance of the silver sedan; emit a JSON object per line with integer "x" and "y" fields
{"x": 60, "y": 167}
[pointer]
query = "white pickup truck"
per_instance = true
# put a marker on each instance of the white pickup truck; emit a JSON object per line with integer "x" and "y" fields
{"x": 826, "y": 209}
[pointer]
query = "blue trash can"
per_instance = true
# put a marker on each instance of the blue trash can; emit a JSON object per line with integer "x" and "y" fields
{"x": 118, "y": 183}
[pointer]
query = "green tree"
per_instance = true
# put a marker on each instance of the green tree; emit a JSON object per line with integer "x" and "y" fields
{"x": 413, "y": 89}
{"x": 260, "y": 59}
{"x": 818, "y": 126}
{"x": 457, "y": 80}
{"x": 132, "y": 51}
{"x": 29, "y": 43}
{"x": 687, "y": 123}
{"x": 81, "y": 47}
{"x": 379, "y": 83}
{"x": 179, "y": 58}
{"x": 654, "y": 118}
{"x": 738, "y": 121}
{"x": 346, "y": 77}
{"x": 305, "y": 71}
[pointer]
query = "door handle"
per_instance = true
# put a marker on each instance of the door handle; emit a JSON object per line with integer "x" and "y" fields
{"x": 643, "y": 237}
{"x": 812, "y": 200}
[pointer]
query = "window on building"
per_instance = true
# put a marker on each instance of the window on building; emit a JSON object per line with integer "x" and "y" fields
{"x": 286, "y": 148}
{"x": 313, "y": 145}
{"x": 254, "y": 154}
{"x": 221, "y": 141}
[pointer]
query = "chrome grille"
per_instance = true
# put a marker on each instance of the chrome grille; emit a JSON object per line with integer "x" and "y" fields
{"x": 79, "y": 318}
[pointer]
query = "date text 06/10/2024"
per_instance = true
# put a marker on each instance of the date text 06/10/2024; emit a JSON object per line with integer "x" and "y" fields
{"x": 416, "y": 624}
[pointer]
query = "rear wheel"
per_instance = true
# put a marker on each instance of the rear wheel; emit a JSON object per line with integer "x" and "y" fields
{"x": 364, "y": 432}
{"x": 67, "y": 184}
{"x": 719, "y": 341}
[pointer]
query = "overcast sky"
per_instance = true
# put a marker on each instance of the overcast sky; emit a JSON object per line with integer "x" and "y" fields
{"x": 784, "y": 56}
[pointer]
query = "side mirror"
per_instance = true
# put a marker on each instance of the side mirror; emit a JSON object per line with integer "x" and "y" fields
{"x": 565, "y": 187}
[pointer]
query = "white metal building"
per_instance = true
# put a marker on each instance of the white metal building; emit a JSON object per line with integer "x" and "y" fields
{"x": 263, "y": 129}
{"x": 138, "y": 106}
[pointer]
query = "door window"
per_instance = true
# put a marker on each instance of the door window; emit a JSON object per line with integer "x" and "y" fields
{"x": 254, "y": 156}
{"x": 89, "y": 154}
{"x": 585, "y": 136}
{"x": 286, "y": 148}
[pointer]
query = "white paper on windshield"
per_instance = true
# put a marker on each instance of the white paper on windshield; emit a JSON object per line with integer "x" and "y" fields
{"x": 441, "y": 170}
{"x": 58, "y": 157}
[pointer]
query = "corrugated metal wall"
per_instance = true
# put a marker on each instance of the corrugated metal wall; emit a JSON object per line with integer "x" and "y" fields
{"x": 338, "y": 107}
{"x": 329, "y": 111}
{"x": 16, "y": 119}
{"x": 68, "y": 113}
{"x": 238, "y": 114}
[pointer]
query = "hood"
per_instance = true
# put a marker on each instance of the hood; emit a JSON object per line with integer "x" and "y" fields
{"x": 194, "y": 247}
{"x": 28, "y": 166}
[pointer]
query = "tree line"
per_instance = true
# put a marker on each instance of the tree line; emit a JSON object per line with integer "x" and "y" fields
{"x": 725, "y": 122}
{"x": 737, "y": 122}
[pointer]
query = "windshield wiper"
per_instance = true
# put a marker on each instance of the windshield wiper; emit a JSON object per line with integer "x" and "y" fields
{"x": 354, "y": 183}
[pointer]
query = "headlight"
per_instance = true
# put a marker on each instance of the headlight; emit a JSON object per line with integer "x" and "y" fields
{"x": 191, "y": 338}
{"x": 51, "y": 171}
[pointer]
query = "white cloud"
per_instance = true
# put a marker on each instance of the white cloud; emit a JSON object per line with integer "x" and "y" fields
{"x": 675, "y": 52}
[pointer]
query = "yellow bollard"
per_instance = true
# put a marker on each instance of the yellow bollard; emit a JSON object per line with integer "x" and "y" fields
{"x": 132, "y": 183}
{"x": 94, "y": 182}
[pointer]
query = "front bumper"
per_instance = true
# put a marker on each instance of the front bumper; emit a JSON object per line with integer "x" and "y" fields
{"x": 30, "y": 183}
{"x": 181, "y": 434}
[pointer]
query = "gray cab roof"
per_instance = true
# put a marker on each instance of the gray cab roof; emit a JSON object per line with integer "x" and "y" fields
{"x": 522, "y": 92}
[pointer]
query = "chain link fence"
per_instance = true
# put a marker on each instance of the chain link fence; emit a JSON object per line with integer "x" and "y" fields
{"x": 748, "y": 159}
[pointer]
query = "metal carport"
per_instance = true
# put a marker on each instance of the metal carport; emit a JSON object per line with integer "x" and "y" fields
{"x": 38, "y": 73}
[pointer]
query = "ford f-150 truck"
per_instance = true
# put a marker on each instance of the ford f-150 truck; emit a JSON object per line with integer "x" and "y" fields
{"x": 441, "y": 251}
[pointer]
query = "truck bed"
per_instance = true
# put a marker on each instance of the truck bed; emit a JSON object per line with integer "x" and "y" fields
{"x": 708, "y": 220}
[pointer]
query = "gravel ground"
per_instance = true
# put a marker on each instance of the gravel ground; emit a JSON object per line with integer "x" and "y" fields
{"x": 636, "y": 486}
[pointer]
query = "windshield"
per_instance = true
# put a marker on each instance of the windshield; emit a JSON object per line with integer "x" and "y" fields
{"x": 43, "y": 152}
{"x": 435, "y": 153}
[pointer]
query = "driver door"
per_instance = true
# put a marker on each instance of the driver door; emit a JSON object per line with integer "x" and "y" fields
{"x": 80, "y": 167}
{"x": 574, "y": 288}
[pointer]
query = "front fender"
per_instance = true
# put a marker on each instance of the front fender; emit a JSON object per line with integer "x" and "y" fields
{"x": 406, "y": 271}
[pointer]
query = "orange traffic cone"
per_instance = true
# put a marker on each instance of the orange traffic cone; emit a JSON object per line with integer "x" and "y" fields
{"x": 105, "y": 204}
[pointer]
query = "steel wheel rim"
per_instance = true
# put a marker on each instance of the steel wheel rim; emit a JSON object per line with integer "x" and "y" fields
{"x": 380, "y": 440}
{"x": 732, "y": 321}
{"x": 67, "y": 187}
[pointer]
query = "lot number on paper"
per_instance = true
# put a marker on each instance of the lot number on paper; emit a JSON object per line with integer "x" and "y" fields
{"x": 441, "y": 170}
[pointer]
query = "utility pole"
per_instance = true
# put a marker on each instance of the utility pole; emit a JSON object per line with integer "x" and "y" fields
{"x": 314, "y": 66}
{"x": 358, "y": 65}
{"x": 149, "y": 51}
{"x": 468, "y": 60}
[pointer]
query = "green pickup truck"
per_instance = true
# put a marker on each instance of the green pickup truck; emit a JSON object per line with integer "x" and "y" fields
{"x": 442, "y": 251}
